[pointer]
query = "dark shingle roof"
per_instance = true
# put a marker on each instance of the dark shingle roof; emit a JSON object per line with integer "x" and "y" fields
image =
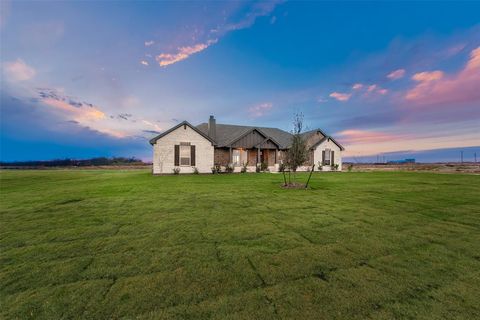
{"x": 227, "y": 133}
{"x": 183, "y": 123}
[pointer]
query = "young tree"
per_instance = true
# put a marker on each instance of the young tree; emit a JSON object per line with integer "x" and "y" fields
{"x": 298, "y": 152}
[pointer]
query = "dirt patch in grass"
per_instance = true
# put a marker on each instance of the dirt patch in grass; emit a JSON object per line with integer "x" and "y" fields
{"x": 293, "y": 185}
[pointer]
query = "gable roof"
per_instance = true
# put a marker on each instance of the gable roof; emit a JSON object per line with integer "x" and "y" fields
{"x": 226, "y": 134}
{"x": 186, "y": 123}
{"x": 327, "y": 138}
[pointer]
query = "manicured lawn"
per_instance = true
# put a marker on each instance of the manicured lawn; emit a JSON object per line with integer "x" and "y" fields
{"x": 113, "y": 244}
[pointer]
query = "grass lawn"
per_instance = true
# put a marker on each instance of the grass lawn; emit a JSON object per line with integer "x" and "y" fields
{"x": 126, "y": 244}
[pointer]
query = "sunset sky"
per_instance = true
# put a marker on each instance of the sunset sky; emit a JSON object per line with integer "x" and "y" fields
{"x": 86, "y": 79}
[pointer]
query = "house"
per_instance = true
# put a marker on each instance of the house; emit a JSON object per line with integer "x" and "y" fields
{"x": 202, "y": 147}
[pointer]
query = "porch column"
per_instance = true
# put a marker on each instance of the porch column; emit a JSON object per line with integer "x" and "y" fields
{"x": 230, "y": 159}
{"x": 258, "y": 155}
{"x": 276, "y": 156}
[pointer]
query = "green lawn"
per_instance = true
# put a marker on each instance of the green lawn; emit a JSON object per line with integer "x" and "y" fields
{"x": 126, "y": 244}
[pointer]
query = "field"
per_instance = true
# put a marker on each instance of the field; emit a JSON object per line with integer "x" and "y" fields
{"x": 125, "y": 244}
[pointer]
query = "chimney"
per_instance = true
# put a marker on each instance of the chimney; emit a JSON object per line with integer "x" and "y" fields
{"x": 212, "y": 132}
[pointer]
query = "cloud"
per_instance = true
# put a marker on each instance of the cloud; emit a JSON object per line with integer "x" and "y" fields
{"x": 361, "y": 136}
{"x": 371, "y": 88}
{"x": 182, "y": 53}
{"x": 149, "y": 43}
{"x": 397, "y": 74}
{"x": 340, "y": 96}
{"x": 382, "y": 91}
{"x": 79, "y": 111}
{"x": 145, "y": 63}
{"x": 153, "y": 125}
{"x": 18, "y": 70}
{"x": 208, "y": 32}
{"x": 151, "y": 132}
{"x": 437, "y": 88}
{"x": 357, "y": 86}
{"x": 260, "y": 109}
{"x": 428, "y": 76}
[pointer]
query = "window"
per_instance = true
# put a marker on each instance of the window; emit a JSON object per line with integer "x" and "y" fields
{"x": 327, "y": 157}
{"x": 185, "y": 153}
{"x": 236, "y": 157}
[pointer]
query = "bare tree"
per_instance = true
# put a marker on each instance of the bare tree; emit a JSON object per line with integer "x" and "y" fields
{"x": 298, "y": 152}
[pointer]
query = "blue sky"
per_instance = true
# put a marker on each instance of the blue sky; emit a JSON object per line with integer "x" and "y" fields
{"x": 85, "y": 79}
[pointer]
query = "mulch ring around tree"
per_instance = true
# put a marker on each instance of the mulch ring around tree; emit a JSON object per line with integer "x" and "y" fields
{"x": 293, "y": 185}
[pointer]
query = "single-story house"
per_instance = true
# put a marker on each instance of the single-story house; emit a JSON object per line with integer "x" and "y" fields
{"x": 209, "y": 144}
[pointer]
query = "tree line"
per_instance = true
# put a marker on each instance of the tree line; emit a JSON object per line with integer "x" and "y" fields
{"x": 100, "y": 161}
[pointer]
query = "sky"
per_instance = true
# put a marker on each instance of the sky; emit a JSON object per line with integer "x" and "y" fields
{"x": 85, "y": 79}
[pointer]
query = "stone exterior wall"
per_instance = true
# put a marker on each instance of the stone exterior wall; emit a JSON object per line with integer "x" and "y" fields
{"x": 317, "y": 155}
{"x": 164, "y": 151}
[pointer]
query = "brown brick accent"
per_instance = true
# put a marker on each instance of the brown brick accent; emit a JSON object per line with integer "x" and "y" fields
{"x": 221, "y": 156}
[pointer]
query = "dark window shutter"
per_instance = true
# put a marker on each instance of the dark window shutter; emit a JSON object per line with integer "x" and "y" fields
{"x": 177, "y": 155}
{"x": 192, "y": 156}
{"x": 323, "y": 157}
{"x": 332, "y": 161}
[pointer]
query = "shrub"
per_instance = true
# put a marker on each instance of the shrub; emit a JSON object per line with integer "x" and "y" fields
{"x": 214, "y": 169}
{"x": 350, "y": 167}
{"x": 335, "y": 166}
{"x": 176, "y": 170}
{"x": 281, "y": 167}
{"x": 218, "y": 168}
{"x": 257, "y": 168}
{"x": 320, "y": 166}
{"x": 195, "y": 170}
{"x": 244, "y": 167}
{"x": 229, "y": 168}
{"x": 263, "y": 167}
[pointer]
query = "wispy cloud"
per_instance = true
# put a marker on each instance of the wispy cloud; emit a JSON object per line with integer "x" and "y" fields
{"x": 182, "y": 53}
{"x": 144, "y": 62}
{"x": 427, "y": 76}
{"x": 437, "y": 88}
{"x": 260, "y": 109}
{"x": 149, "y": 43}
{"x": 397, "y": 74}
{"x": 18, "y": 70}
{"x": 340, "y": 96}
{"x": 357, "y": 86}
{"x": 203, "y": 37}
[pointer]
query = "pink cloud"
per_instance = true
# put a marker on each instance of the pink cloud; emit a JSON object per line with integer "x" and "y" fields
{"x": 260, "y": 109}
{"x": 382, "y": 91}
{"x": 428, "y": 76}
{"x": 438, "y": 88}
{"x": 340, "y": 96}
{"x": 78, "y": 113}
{"x": 397, "y": 74}
{"x": 357, "y": 86}
{"x": 363, "y": 136}
{"x": 145, "y": 63}
{"x": 18, "y": 70}
{"x": 371, "y": 87}
{"x": 165, "y": 59}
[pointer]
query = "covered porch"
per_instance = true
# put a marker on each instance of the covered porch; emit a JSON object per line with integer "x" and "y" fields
{"x": 251, "y": 150}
